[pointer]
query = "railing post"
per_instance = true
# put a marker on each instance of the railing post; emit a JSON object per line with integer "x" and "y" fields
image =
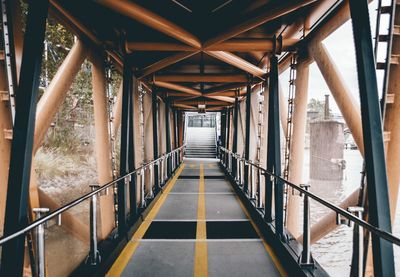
{"x": 40, "y": 243}
{"x": 268, "y": 192}
{"x": 151, "y": 179}
{"x": 357, "y": 265}
{"x": 306, "y": 259}
{"x": 143, "y": 192}
{"x": 94, "y": 256}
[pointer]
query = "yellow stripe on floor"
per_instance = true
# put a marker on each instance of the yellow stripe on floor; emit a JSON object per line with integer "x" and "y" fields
{"x": 266, "y": 246}
{"x": 126, "y": 254}
{"x": 200, "y": 256}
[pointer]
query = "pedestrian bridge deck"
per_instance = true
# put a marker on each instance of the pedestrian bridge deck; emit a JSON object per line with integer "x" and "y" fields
{"x": 197, "y": 227}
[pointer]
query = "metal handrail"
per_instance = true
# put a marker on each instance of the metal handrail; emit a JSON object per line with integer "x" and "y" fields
{"x": 79, "y": 200}
{"x": 383, "y": 234}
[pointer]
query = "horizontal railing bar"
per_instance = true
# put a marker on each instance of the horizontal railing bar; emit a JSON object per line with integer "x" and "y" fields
{"x": 383, "y": 234}
{"x": 79, "y": 200}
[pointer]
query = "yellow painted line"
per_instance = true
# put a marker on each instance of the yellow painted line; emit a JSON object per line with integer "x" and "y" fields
{"x": 126, "y": 254}
{"x": 266, "y": 246}
{"x": 201, "y": 256}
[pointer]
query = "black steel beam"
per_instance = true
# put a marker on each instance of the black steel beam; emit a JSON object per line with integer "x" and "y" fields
{"x": 16, "y": 215}
{"x": 247, "y": 141}
{"x": 168, "y": 136}
{"x": 228, "y": 132}
{"x": 131, "y": 154}
{"x": 273, "y": 152}
{"x": 377, "y": 189}
{"x": 154, "y": 108}
{"x": 235, "y": 132}
{"x": 223, "y": 130}
{"x": 126, "y": 137}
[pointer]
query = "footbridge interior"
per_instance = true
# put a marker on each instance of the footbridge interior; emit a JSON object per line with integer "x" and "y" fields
{"x": 180, "y": 152}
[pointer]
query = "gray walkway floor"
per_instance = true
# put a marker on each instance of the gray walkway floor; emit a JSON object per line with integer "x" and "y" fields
{"x": 170, "y": 244}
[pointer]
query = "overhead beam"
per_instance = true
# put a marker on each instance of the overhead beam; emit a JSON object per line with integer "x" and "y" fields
{"x": 163, "y": 63}
{"x": 152, "y": 20}
{"x": 263, "y": 17}
{"x": 253, "y": 44}
{"x": 206, "y": 78}
{"x": 184, "y": 106}
{"x": 222, "y": 98}
{"x": 177, "y": 87}
{"x": 157, "y": 46}
{"x": 238, "y": 62}
{"x": 196, "y": 102}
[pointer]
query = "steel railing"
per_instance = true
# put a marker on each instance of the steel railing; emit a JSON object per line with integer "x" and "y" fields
{"x": 175, "y": 157}
{"x": 353, "y": 214}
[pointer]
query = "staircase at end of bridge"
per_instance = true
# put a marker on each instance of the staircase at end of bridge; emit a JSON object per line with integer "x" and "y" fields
{"x": 201, "y": 142}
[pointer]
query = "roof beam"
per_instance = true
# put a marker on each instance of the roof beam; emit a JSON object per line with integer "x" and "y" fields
{"x": 158, "y": 46}
{"x": 152, "y": 20}
{"x": 263, "y": 17}
{"x": 177, "y": 87}
{"x": 253, "y": 44}
{"x": 238, "y": 62}
{"x": 164, "y": 63}
{"x": 232, "y": 45}
{"x": 205, "y": 78}
{"x": 206, "y": 102}
{"x": 222, "y": 98}
{"x": 184, "y": 106}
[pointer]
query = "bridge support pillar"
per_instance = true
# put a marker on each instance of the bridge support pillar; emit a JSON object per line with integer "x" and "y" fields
{"x": 154, "y": 109}
{"x": 235, "y": 133}
{"x": 23, "y": 134}
{"x": 102, "y": 144}
{"x": 126, "y": 147}
{"x": 297, "y": 146}
{"x": 378, "y": 198}
{"x": 273, "y": 153}
{"x": 168, "y": 136}
{"x": 247, "y": 141}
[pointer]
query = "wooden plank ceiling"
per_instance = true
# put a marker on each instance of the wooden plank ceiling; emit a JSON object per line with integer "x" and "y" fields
{"x": 194, "y": 52}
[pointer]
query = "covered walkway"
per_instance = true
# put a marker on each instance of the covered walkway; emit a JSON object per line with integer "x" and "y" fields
{"x": 197, "y": 227}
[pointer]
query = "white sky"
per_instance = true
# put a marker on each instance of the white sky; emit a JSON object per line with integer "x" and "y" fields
{"x": 341, "y": 47}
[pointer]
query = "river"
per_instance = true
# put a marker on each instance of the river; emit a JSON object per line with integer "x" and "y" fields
{"x": 334, "y": 251}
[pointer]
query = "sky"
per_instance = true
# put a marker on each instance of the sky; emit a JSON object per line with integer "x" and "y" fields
{"x": 340, "y": 45}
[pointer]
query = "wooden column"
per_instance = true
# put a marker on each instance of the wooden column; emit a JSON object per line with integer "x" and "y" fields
{"x": 297, "y": 147}
{"x": 102, "y": 144}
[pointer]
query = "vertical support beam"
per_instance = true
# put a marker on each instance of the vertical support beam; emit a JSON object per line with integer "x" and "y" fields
{"x": 131, "y": 149}
{"x": 22, "y": 144}
{"x": 228, "y": 129}
{"x": 297, "y": 146}
{"x": 273, "y": 149}
{"x": 102, "y": 144}
{"x": 378, "y": 198}
{"x": 168, "y": 135}
{"x": 223, "y": 130}
{"x": 125, "y": 143}
{"x": 247, "y": 139}
{"x": 154, "y": 108}
{"x": 235, "y": 132}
